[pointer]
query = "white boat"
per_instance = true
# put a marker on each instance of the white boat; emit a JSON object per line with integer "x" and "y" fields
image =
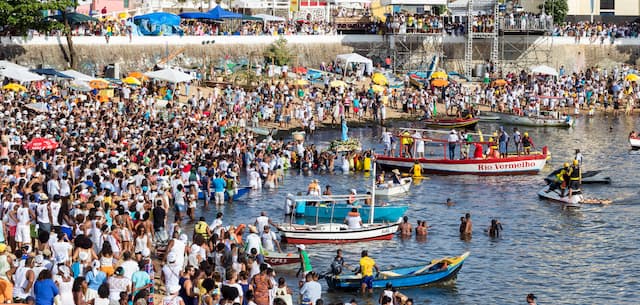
{"x": 574, "y": 201}
{"x": 392, "y": 189}
{"x": 263, "y": 131}
{"x": 635, "y": 142}
{"x": 335, "y": 233}
{"x": 545, "y": 119}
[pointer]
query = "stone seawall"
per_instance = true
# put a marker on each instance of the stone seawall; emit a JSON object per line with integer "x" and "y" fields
{"x": 144, "y": 52}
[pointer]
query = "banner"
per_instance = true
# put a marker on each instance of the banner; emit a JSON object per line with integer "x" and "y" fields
{"x": 294, "y": 5}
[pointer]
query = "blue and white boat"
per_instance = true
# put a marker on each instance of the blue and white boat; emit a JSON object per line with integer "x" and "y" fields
{"x": 436, "y": 271}
{"x": 336, "y": 207}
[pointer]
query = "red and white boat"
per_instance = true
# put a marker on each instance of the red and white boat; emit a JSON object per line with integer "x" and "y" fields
{"x": 282, "y": 260}
{"x": 635, "y": 142}
{"x": 335, "y": 233}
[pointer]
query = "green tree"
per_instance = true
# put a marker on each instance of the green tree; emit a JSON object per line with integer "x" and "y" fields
{"x": 278, "y": 53}
{"x": 556, "y": 8}
{"x": 17, "y": 17}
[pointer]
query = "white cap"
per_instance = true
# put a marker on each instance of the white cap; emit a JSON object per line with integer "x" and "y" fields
{"x": 146, "y": 252}
{"x": 301, "y": 247}
{"x": 171, "y": 257}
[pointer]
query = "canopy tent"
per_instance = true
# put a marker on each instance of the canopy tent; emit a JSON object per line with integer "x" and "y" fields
{"x": 250, "y": 18}
{"x": 220, "y": 13}
{"x": 346, "y": 59}
{"x": 269, "y": 18}
{"x": 545, "y": 70}
{"x": 196, "y": 15}
{"x": 50, "y": 72}
{"x": 155, "y": 24}
{"x": 78, "y": 75}
{"x": 21, "y": 75}
{"x": 7, "y": 64}
{"x": 170, "y": 75}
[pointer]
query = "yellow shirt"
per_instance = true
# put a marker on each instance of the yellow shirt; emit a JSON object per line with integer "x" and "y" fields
{"x": 366, "y": 266}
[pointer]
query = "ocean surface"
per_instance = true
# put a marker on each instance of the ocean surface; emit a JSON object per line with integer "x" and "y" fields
{"x": 578, "y": 256}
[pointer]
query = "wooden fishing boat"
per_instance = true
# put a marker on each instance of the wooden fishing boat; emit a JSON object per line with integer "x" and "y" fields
{"x": 282, "y": 260}
{"x": 635, "y": 142}
{"x": 545, "y": 119}
{"x": 335, "y": 233}
{"x": 451, "y": 122}
{"x": 392, "y": 189}
{"x": 438, "y": 270}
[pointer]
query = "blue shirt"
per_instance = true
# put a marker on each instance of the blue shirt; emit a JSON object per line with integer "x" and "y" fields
{"x": 44, "y": 291}
{"x": 218, "y": 185}
{"x": 95, "y": 279}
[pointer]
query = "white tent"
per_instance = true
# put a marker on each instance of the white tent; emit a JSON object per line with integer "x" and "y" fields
{"x": 266, "y": 17}
{"x": 345, "y": 59}
{"x": 78, "y": 75}
{"x": 21, "y": 75}
{"x": 413, "y": 2}
{"x": 7, "y": 64}
{"x": 170, "y": 75}
{"x": 545, "y": 70}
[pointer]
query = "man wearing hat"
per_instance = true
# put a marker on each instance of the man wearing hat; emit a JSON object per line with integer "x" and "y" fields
{"x": 453, "y": 140}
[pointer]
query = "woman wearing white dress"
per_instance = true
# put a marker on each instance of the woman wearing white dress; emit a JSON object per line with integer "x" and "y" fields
{"x": 65, "y": 285}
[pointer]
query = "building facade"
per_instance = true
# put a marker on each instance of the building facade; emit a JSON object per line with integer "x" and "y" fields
{"x": 603, "y": 10}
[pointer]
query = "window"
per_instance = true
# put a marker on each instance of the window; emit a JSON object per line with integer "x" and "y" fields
{"x": 607, "y": 4}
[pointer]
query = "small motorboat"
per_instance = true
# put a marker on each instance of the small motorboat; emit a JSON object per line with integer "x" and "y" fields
{"x": 282, "y": 260}
{"x": 635, "y": 142}
{"x": 574, "y": 201}
{"x": 335, "y": 233}
{"x": 436, "y": 271}
{"x": 588, "y": 177}
{"x": 451, "y": 122}
{"x": 392, "y": 189}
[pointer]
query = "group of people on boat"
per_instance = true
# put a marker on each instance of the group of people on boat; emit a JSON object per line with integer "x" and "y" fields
{"x": 569, "y": 177}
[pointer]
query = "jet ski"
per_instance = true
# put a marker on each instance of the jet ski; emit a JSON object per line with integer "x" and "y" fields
{"x": 588, "y": 177}
{"x": 574, "y": 201}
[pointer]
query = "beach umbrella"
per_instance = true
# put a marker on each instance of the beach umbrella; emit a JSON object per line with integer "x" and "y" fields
{"x": 138, "y": 75}
{"x": 632, "y": 78}
{"x": 74, "y": 18}
{"x": 41, "y": 144}
{"x": 302, "y": 82}
{"x": 99, "y": 84}
{"x": 299, "y": 70}
{"x": 379, "y": 79}
{"x": 80, "y": 86}
{"x": 39, "y": 107}
{"x": 439, "y": 75}
{"x": 378, "y": 88}
{"x": 499, "y": 82}
{"x": 131, "y": 81}
{"x": 14, "y": 87}
{"x": 338, "y": 83}
{"x": 439, "y": 83}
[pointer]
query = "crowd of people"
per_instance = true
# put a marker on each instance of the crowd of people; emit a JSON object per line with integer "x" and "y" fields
{"x": 597, "y": 31}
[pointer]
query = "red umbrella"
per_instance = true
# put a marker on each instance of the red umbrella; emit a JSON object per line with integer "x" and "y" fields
{"x": 41, "y": 144}
{"x": 300, "y": 70}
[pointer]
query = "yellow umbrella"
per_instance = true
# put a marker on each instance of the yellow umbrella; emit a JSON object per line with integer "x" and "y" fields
{"x": 14, "y": 87}
{"x": 439, "y": 75}
{"x": 499, "y": 82}
{"x": 379, "y": 79}
{"x": 138, "y": 75}
{"x": 99, "y": 84}
{"x": 132, "y": 81}
{"x": 378, "y": 88}
{"x": 302, "y": 82}
{"x": 123, "y": 15}
{"x": 439, "y": 82}
{"x": 632, "y": 78}
{"x": 338, "y": 83}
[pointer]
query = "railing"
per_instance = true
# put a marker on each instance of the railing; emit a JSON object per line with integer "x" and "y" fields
{"x": 531, "y": 23}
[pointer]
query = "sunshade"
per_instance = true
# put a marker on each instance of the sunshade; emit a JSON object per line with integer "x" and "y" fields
{"x": 14, "y": 87}
{"x": 196, "y": 15}
{"x": 74, "y": 18}
{"x": 439, "y": 75}
{"x": 439, "y": 83}
{"x": 632, "y": 78}
{"x": 20, "y": 75}
{"x": 131, "y": 81}
{"x": 220, "y": 13}
{"x": 80, "y": 86}
{"x": 78, "y": 75}
{"x": 338, "y": 83}
{"x": 99, "y": 84}
{"x": 170, "y": 75}
{"x": 50, "y": 72}
{"x": 379, "y": 79}
{"x": 299, "y": 70}
{"x": 545, "y": 70}
{"x": 138, "y": 75}
{"x": 41, "y": 144}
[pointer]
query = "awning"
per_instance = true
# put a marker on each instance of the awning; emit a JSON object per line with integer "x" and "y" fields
{"x": 50, "y": 72}
{"x": 170, "y": 75}
{"x": 78, "y": 75}
{"x": 269, "y": 18}
{"x": 21, "y": 75}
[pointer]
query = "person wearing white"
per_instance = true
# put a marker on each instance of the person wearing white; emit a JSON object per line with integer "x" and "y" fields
{"x": 353, "y": 219}
{"x": 171, "y": 272}
{"x": 269, "y": 239}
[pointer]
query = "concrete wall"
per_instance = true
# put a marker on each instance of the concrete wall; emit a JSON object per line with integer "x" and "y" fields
{"x": 630, "y": 8}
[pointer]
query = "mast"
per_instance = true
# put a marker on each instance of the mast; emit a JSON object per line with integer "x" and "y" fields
{"x": 373, "y": 191}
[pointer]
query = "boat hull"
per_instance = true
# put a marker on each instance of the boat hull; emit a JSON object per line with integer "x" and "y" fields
{"x": 402, "y": 277}
{"x": 240, "y": 192}
{"x": 390, "y": 213}
{"x": 451, "y": 123}
{"x": 530, "y": 164}
{"x": 335, "y": 233}
{"x": 282, "y": 260}
{"x": 635, "y": 143}
{"x": 512, "y": 119}
{"x": 395, "y": 189}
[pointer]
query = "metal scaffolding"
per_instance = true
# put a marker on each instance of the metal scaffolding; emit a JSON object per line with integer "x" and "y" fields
{"x": 410, "y": 51}
{"x": 494, "y": 35}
